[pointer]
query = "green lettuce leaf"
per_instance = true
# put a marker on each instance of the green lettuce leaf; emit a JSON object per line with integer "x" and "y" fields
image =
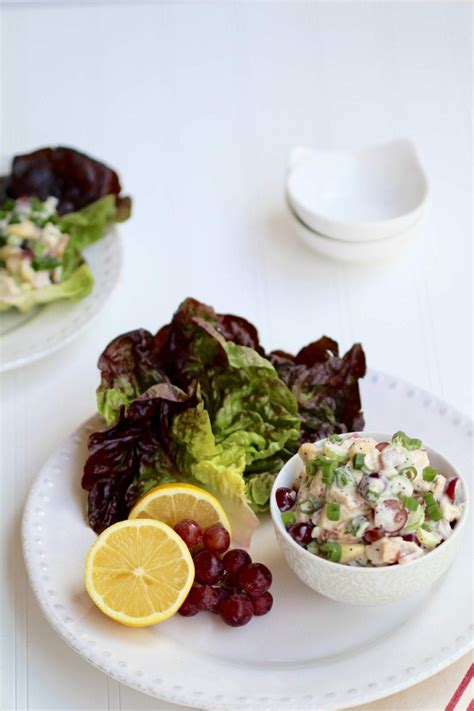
{"x": 89, "y": 224}
{"x": 78, "y": 285}
{"x": 217, "y": 467}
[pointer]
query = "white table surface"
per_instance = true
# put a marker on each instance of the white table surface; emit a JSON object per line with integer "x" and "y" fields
{"x": 198, "y": 105}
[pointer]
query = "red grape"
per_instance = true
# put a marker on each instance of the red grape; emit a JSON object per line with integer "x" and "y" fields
{"x": 255, "y": 579}
{"x": 188, "y": 609}
{"x": 381, "y": 446}
{"x": 233, "y": 562}
{"x": 236, "y": 610}
{"x": 285, "y": 498}
{"x": 301, "y": 532}
{"x": 209, "y": 568}
{"x": 222, "y": 594}
{"x": 373, "y": 534}
{"x": 411, "y": 538}
{"x": 204, "y": 597}
{"x": 452, "y": 488}
{"x": 262, "y": 604}
{"x": 216, "y": 539}
{"x": 390, "y": 515}
{"x": 190, "y": 532}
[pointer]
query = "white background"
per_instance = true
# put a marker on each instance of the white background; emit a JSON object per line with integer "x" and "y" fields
{"x": 197, "y": 105}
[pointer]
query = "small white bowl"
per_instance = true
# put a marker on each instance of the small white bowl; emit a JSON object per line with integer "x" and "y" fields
{"x": 355, "y": 252}
{"x": 363, "y": 195}
{"x": 366, "y": 586}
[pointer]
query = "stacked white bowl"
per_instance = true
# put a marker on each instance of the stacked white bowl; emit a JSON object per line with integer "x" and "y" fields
{"x": 357, "y": 206}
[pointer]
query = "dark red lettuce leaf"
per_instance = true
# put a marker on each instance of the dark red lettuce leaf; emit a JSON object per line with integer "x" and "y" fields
{"x": 74, "y": 178}
{"x": 325, "y": 385}
{"x": 131, "y": 356}
{"x": 133, "y": 455}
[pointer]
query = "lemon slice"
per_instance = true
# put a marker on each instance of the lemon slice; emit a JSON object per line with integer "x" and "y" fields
{"x": 139, "y": 572}
{"x": 171, "y": 503}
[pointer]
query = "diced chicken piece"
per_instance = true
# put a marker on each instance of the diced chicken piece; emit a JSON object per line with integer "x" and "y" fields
{"x": 373, "y": 461}
{"x": 384, "y": 551}
{"x": 391, "y": 458}
{"x": 362, "y": 445}
{"x": 13, "y": 264}
{"x": 61, "y": 245}
{"x": 443, "y": 529}
{"x": 50, "y": 236}
{"x": 419, "y": 459}
{"x": 349, "y": 497}
{"x": 317, "y": 488}
{"x": 25, "y": 229}
{"x": 437, "y": 486}
{"x": 308, "y": 451}
{"x": 8, "y": 286}
{"x": 449, "y": 510}
{"x": 9, "y": 250}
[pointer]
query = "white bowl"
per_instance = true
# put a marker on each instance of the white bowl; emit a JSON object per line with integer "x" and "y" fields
{"x": 363, "y": 195}
{"x": 366, "y": 586}
{"x": 355, "y": 252}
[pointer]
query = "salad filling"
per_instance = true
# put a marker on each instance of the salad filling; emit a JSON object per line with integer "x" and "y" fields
{"x": 366, "y": 503}
{"x": 32, "y": 246}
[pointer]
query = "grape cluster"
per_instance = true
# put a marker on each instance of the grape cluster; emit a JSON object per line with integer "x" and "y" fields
{"x": 231, "y": 586}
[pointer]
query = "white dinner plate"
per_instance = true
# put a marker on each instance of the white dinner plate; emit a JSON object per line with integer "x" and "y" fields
{"x": 25, "y": 338}
{"x": 309, "y": 652}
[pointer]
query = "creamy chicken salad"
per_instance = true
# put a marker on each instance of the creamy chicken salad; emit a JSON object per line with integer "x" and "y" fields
{"x": 367, "y": 503}
{"x": 32, "y": 246}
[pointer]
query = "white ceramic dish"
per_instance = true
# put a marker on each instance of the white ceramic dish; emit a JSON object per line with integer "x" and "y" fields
{"x": 25, "y": 338}
{"x": 310, "y": 652}
{"x": 367, "y": 586}
{"x": 380, "y": 250}
{"x": 373, "y": 193}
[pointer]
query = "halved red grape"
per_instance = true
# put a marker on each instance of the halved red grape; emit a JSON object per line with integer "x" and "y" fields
{"x": 390, "y": 515}
{"x": 381, "y": 446}
{"x": 208, "y": 567}
{"x": 255, "y": 579}
{"x": 301, "y": 532}
{"x": 233, "y": 562}
{"x": 373, "y": 534}
{"x": 190, "y": 532}
{"x": 411, "y": 538}
{"x": 236, "y": 610}
{"x": 222, "y": 594}
{"x": 216, "y": 539}
{"x": 285, "y": 498}
{"x": 262, "y": 604}
{"x": 188, "y": 609}
{"x": 452, "y": 488}
{"x": 204, "y": 597}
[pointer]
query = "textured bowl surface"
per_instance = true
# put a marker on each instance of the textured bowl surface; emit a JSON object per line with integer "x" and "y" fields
{"x": 366, "y": 586}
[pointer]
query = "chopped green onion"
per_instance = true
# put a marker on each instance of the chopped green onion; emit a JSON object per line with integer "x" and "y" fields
{"x": 410, "y": 503}
{"x": 333, "y": 511}
{"x": 288, "y": 518}
{"x": 14, "y": 220}
{"x": 358, "y": 461}
{"x": 435, "y": 513}
{"x": 331, "y": 551}
{"x": 40, "y": 263}
{"x": 372, "y": 495}
{"x": 8, "y": 204}
{"x": 313, "y": 547}
{"x": 426, "y": 527}
{"x": 342, "y": 476}
{"x": 306, "y": 506}
{"x": 334, "y": 438}
{"x": 328, "y": 468}
{"x": 406, "y": 441}
{"x": 313, "y": 466}
{"x": 429, "y": 499}
{"x": 3, "y": 240}
{"x": 409, "y": 472}
{"x": 429, "y": 473}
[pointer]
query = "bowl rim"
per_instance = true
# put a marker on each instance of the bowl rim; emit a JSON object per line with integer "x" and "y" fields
{"x": 376, "y": 570}
{"x": 353, "y": 242}
{"x": 371, "y": 226}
